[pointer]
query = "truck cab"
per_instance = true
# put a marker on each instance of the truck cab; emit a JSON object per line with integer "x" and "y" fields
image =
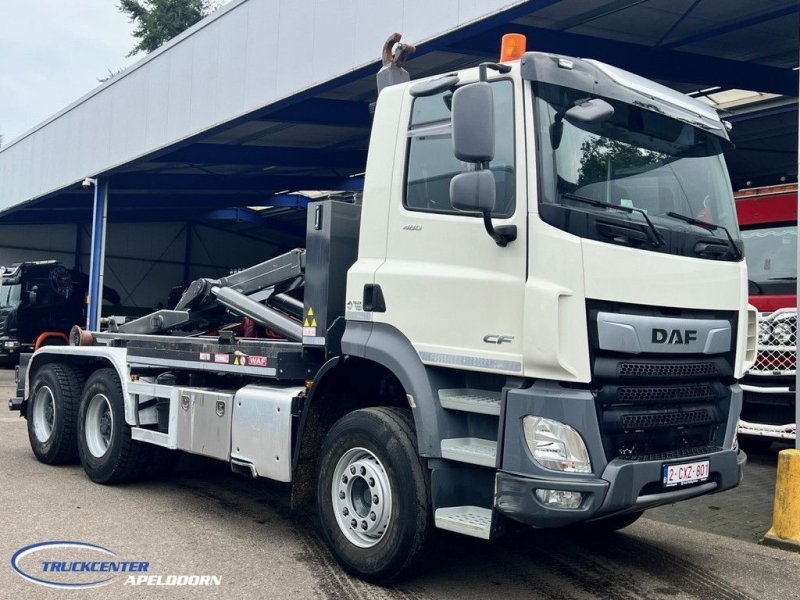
{"x": 768, "y": 220}
{"x": 36, "y": 298}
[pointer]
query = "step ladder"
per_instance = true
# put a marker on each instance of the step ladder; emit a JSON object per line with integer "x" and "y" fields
{"x": 467, "y": 520}
{"x": 483, "y": 402}
{"x": 475, "y": 451}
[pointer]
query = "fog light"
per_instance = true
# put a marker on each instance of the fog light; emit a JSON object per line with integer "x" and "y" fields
{"x": 11, "y": 344}
{"x": 556, "y": 446}
{"x": 559, "y": 498}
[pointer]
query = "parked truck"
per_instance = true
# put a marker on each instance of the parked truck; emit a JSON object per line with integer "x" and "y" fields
{"x": 40, "y": 301}
{"x": 537, "y": 314}
{"x": 768, "y": 219}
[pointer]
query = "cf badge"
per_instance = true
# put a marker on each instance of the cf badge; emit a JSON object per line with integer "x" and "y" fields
{"x": 497, "y": 339}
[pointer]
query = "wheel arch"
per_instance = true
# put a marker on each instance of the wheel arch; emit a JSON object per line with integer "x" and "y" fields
{"x": 386, "y": 371}
{"x": 86, "y": 360}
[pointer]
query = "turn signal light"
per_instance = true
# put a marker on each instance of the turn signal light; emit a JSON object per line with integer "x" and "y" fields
{"x": 512, "y": 47}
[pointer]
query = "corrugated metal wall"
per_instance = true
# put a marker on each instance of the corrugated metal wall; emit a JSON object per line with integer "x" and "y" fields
{"x": 142, "y": 273}
{"x": 249, "y": 55}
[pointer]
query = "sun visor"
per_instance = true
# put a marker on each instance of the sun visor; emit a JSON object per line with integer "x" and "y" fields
{"x": 599, "y": 79}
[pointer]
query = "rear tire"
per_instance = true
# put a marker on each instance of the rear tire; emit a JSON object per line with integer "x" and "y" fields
{"x": 108, "y": 453}
{"x": 52, "y": 414}
{"x": 371, "y": 454}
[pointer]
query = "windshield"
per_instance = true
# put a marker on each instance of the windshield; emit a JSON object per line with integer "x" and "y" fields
{"x": 771, "y": 253}
{"x": 636, "y": 159}
{"x": 10, "y": 295}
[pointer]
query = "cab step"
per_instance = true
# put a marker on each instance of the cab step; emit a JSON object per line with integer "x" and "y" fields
{"x": 467, "y": 520}
{"x": 475, "y": 451}
{"x": 483, "y": 402}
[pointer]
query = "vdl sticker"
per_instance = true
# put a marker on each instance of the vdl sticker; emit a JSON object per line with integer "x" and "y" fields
{"x": 686, "y": 473}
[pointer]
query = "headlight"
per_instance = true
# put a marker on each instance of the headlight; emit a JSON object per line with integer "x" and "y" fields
{"x": 764, "y": 333}
{"x": 555, "y": 445}
{"x": 11, "y": 344}
{"x": 783, "y": 333}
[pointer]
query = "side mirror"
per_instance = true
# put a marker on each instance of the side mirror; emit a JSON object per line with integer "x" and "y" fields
{"x": 473, "y": 123}
{"x": 32, "y": 294}
{"x": 591, "y": 112}
{"x": 473, "y": 191}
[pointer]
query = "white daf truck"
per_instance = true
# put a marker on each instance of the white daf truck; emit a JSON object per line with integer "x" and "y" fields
{"x": 538, "y": 313}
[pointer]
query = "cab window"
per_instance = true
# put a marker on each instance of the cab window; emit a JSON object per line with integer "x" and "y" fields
{"x": 431, "y": 163}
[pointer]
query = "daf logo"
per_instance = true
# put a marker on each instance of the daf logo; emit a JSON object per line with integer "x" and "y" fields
{"x": 674, "y": 336}
{"x": 498, "y": 339}
{"x": 412, "y": 227}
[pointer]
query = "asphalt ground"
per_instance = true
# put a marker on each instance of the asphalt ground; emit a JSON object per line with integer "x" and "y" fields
{"x": 207, "y": 521}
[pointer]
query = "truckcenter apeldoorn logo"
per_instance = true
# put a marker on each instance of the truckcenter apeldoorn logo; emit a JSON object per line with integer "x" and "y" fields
{"x": 80, "y": 566}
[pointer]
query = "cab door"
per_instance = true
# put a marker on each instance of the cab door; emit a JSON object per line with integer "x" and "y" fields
{"x": 447, "y": 286}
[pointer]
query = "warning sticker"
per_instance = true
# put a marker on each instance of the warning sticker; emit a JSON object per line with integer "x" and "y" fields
{"x": 240, "y": 361}
{"x": 205, "y": 356}
{"x": 257, "y": 361}
{"x": 310, "y": 324}
{"x": 222, "y": 358}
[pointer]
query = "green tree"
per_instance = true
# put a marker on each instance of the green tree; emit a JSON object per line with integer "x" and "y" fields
{"x": 598, "y": 151}
{"x": 158, "y": 21}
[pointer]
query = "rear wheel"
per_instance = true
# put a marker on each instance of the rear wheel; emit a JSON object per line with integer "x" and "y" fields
{"x": 52, "y": 414}
{"x": 107, "y": 451}
{"x": 373, "y": 495}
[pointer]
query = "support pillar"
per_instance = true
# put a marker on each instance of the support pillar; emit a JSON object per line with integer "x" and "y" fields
{"x": 97, "y": 259}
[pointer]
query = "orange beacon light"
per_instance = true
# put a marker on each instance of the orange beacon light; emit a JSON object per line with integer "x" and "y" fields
{"x": 512, "y": 47}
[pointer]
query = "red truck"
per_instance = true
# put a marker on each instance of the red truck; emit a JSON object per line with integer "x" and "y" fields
{"x": 768, "y": 221}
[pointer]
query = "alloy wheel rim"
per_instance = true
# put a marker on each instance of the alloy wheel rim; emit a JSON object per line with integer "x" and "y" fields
{"x": 361, "y": 496}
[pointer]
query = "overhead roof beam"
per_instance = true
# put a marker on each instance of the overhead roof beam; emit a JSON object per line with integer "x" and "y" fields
{"x": 677, "y": 22}
{"x": 655, "y": 63}
{"x": 735, "y": 26}
{"x": 322, "y": 111}
{"x": 200, "y": 183}
{"x": 223, "y": 154}
{"x": 597, "y": 13}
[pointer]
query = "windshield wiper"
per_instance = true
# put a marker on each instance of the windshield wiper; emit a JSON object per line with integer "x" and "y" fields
{"x": 782, "y": 279}
{"x": 655, "y": 238}
{"x": 737, "y": 254}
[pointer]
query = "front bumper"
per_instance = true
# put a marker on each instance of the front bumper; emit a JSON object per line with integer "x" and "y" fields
{"x": 614, "y": 486}
{"x": 9, "y": 349}
{"x": 781, "y": 398}
{"x": 625, "y": 486}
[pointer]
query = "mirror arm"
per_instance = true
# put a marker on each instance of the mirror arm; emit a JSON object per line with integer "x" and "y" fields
{"x": 501, "y": 235}
{"x": 483, "y": 75}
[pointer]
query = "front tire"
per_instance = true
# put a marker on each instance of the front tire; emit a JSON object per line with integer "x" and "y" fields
{"x": 107, "y": 451}
{"x": 373, "y": 498}
{"x": 52, "y": 414}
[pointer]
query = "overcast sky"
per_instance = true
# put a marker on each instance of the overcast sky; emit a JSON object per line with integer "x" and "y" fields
{"x": 52, "y": 52}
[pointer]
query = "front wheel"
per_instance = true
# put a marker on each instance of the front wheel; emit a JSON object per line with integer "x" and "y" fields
{"x": 373, "y": 499}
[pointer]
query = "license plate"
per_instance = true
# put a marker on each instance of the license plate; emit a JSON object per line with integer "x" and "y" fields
{"x": 686, "y": 473}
